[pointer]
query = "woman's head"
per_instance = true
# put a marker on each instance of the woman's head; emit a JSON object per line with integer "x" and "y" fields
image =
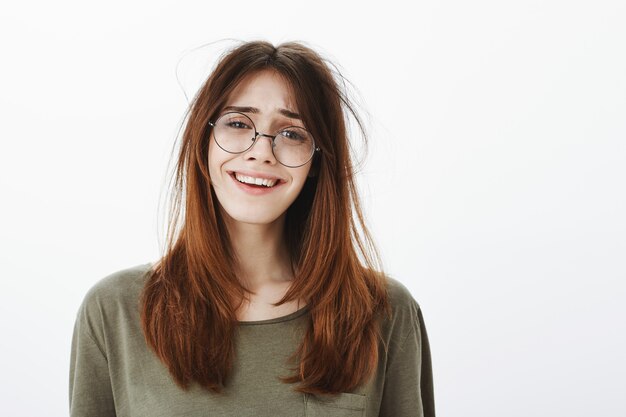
{"x": 296, "y": 79}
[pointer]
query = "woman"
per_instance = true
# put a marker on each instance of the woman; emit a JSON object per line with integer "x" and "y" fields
{"x": 261, "y": 305}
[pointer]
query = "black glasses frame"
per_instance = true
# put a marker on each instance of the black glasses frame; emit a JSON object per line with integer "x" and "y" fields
{"x": 258, "y": 134}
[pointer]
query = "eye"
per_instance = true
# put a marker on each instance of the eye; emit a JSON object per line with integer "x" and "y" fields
{"x": 235, "y": 121}
{"x": 292, "y": 134}
{"x": 237, "y": 124}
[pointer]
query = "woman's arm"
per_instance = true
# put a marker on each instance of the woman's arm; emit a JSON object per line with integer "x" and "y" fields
{"x": 408, "y": 389}
{"x": 90, "y": 385}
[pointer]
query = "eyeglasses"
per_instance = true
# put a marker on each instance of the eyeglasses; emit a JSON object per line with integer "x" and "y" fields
{"x": 292, "y": 146}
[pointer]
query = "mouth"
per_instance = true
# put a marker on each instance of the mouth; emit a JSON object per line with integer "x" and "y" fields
{"x": 253, "y": 180}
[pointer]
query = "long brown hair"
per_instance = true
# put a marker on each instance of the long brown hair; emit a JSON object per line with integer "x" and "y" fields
{"x": 187, "y": 305}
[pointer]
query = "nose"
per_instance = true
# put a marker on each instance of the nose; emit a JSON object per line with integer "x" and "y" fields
{"x": 261, "y": 150}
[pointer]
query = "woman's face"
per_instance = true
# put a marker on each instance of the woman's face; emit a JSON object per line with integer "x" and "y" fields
{"x": 264, "y": 97}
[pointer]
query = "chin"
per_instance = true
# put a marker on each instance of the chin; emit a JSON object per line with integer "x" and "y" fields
{"x": 254, "y": 217}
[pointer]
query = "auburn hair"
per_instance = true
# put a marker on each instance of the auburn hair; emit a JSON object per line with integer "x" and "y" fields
{"x": 189, "y": 301}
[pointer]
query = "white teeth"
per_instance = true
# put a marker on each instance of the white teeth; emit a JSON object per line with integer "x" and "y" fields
{"x": 257, "y": 181}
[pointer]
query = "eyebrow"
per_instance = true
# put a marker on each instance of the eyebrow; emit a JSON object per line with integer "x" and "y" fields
{"x": 247, "y": 109}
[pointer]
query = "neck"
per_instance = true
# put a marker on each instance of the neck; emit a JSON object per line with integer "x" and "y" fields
{"x": 261, "y": 252}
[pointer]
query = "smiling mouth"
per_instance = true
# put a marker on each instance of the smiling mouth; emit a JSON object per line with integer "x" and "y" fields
{"x": 254, "y": 181}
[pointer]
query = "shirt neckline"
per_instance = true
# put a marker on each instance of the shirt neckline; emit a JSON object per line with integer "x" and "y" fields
{"x": 288, "y": 317}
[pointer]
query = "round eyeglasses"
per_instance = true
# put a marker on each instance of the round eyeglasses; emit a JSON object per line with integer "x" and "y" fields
{"x": 235, "y": 132}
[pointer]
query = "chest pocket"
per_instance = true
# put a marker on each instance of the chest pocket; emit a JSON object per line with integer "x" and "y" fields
{"x": 341, "y": 405}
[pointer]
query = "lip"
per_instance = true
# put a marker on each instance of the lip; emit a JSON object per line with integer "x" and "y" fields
{"x": 254, "y": 190}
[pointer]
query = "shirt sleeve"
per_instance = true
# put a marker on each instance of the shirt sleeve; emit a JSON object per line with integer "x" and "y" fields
{"x": 408, "y": 389}
{"x": 90, "y": 390}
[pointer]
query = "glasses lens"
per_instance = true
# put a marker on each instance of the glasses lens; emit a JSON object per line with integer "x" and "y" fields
{"x": 293, "y": 146}
{"x": 234, "y": 132}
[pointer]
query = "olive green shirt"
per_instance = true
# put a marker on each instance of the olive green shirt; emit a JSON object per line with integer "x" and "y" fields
{"x": 113, "y": 372}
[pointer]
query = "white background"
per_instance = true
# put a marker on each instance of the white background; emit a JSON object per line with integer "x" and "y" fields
{"x": 494, "y": 184}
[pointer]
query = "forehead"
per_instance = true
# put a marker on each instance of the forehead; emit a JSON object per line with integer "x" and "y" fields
{"x": 266, "y": 90}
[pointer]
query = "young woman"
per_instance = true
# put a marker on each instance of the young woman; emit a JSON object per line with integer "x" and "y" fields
{"x": 267, "y": 301}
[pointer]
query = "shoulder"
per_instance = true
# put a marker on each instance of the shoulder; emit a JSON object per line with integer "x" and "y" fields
{"x": 403, "y": 303}
{"x": 399, "y": 295}
{"x": 118, "y": 285}
{"x": 115, "y": 294}
{"x": 405, "y": 311}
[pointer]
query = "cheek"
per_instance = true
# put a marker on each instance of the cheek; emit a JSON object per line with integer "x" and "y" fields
{"x": 300, "y": 174}
{"x": 214, "y": 161}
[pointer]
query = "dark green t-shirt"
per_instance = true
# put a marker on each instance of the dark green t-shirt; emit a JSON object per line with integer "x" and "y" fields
{"x": 114, "y": 373}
